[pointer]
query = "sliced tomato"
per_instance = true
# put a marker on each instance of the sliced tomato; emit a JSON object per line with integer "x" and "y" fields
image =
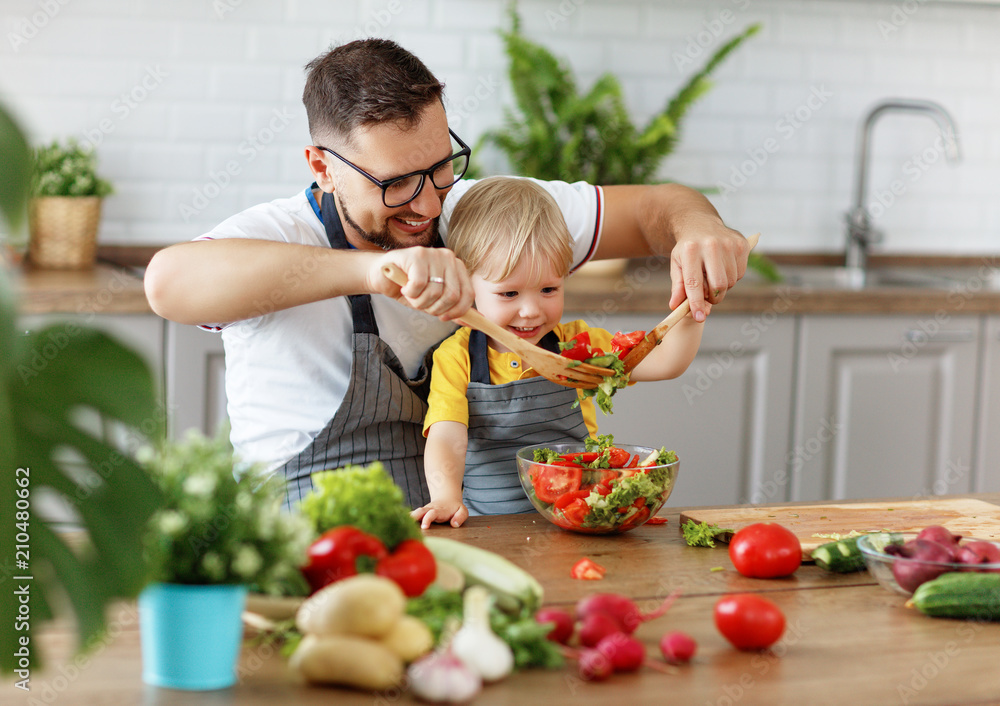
{"x": 553, "y": 480}
{"x": 637, "y": 519}
{"x": 567, "y": 498}
{"x": 622, "y": 343}
{"x": 582, "y": 457}
{"x": 587, "y": 570}
{"x": 618, "y": 458}
{"x": 580, "y": 348}
{"x": 603, "y": 489}
{"x": 634, "y": 463}
{"x": 657, "y": 520}
{"x": 576, "y": 512}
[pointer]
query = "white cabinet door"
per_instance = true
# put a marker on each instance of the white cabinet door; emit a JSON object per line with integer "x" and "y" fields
{"x": 884, "y": 406}
{"x": 196, "y": 380}
{"x": 727, "y": 417}
{"x": 987, "y": 475}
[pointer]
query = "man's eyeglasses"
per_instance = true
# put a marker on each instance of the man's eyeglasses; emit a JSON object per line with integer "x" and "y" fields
{"x": 400, "y": 190}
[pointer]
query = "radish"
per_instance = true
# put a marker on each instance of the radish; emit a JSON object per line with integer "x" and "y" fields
{"x": 678, "y": 647}
{"x": 979, "y": 553}
{"x": 596, "y": 626}
{"x": 562, "y": 621}
{"x": 594, "y": 666}
{"x": 621, "y": 608}
{"x": 625, "y": 653}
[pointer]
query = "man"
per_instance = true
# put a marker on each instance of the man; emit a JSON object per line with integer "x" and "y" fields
{"x": 326, "y": 359}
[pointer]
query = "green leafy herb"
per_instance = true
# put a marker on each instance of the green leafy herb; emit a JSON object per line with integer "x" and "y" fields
{"x": 364, "y": 497}
{"x": 702, "y": 534}
{"x": 545, "y": 456}
{"x": 526, "y": 636}
{"x": 606, "y": 389}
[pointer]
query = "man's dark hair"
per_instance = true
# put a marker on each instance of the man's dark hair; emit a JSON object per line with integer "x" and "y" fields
{"x": 365, "y": 82}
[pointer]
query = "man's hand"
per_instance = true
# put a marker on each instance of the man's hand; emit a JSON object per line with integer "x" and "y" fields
{"x": 704, "y": 265}
{"x": 437, "y": 281}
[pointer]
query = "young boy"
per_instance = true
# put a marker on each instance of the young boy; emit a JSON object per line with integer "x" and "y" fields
{"x": 483, "y": 404}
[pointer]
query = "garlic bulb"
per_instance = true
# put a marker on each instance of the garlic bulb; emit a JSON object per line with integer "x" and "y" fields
{"x": 443, "y": 678}
{"x": 476, "y": 644}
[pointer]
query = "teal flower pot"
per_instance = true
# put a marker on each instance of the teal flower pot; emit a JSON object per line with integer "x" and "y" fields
{"x": 191, "y": 635}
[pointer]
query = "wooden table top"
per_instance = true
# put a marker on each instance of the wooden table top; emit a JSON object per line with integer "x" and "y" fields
{"x": 847, "y": 640}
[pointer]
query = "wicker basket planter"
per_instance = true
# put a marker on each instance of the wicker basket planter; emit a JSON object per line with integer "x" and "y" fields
{"x": 63, "y": 231}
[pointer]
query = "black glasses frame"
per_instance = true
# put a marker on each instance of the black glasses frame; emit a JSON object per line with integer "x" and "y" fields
{"x": 422, "y": 173}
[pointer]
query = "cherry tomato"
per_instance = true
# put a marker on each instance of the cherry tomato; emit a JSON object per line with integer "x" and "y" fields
{"x": 588, "y": 570}
{"x": 618, "y": 458}
{"x": 749, "y": 621}
{"x": 552, "y": 481}
{"x": 765, "y": 550}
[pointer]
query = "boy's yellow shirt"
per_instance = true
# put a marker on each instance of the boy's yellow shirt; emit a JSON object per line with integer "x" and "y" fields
{"x": 452, "y": 368}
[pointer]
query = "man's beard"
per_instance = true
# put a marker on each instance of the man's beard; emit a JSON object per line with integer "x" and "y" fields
{"x": 383, "y": 239}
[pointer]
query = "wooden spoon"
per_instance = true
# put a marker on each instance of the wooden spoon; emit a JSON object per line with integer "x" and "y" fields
{"x": 549, "y": 365}
{"x": 653, "y": 338}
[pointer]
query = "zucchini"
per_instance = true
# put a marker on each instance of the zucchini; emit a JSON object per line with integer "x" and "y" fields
{"x": 844, "y": 555}
{"x": 965, "y": 594}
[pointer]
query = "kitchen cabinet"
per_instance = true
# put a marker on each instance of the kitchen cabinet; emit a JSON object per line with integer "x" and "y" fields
{"x": 985, "y": 477}
{"x": 196, "y": 379}
{"x": 727, "y": 416}
{"x": 884, "y": 406}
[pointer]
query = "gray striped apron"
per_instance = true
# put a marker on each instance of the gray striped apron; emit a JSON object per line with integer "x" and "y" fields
{"x": 381, "y": 416}
{"x": 504, "y": 418}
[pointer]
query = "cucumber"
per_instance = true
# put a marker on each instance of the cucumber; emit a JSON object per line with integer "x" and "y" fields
{"x": 844, "y": 555}
{"x": 965, "y": 594}
{"x": 515, "y": 589}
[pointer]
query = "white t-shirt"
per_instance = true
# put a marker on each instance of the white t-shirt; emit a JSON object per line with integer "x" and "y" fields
{"x": 287, "y": 371}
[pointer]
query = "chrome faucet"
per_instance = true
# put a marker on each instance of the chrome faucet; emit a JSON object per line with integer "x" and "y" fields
{"x": 860, "y": 233}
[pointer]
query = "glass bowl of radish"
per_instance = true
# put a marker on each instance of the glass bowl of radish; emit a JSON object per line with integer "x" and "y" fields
{"x": 901, "y": 561}
{"x": 600, "y": 487}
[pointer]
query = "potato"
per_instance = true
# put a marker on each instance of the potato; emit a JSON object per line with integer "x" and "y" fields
{"x": 347, "y": 661}
{"x": 365, "y": 605}
{"x": 410, "y": 639}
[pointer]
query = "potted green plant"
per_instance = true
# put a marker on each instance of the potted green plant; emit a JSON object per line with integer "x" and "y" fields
{"x": 214, "y": 537}
{"x": 558, "y": 132}
{"x": 51, "y": 380}
{"x": 65, "y": 209}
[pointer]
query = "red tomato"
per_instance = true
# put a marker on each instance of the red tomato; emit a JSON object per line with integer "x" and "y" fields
{"x": 568, "y": 498}
{"x": 765, "y": 550}
{"x": 638, "y": 518}
{"x": 749, "y": 621}
{"x": 622, "y": 343}
{"x": 582, "y": 457}
{"x": 411, "y": 565}
{"x": 550, "y": 482}
{"x": 588, "y": 570}
{"x": 576, "y": 512}
{"x": 618, "y": 458}
{"x": 580, "y": 350}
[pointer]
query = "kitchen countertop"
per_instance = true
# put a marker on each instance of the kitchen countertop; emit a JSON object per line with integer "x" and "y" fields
{"x": 847, "y": 640}
{"x": 643, "y": 287}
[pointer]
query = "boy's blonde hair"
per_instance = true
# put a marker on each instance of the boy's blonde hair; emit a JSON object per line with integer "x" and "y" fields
{"x": 501, "y": 220}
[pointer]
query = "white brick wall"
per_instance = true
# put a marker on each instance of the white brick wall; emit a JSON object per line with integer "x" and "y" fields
{"x": 197, "y": 111}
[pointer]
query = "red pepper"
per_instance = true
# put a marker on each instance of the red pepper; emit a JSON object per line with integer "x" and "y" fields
{"x": 411, "y": 565}
{"x": 334, "y": 555}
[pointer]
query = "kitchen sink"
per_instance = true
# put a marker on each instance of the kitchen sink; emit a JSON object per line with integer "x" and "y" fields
{"x": 843, "y": 278}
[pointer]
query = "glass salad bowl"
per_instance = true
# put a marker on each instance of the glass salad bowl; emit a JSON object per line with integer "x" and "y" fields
{"x": 901, "y": 574}
{"x": 569, "y": 493}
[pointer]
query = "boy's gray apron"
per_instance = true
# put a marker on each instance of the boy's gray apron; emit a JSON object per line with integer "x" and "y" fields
{"x": 504, "y": 418}
{"x": 381, "y": 417}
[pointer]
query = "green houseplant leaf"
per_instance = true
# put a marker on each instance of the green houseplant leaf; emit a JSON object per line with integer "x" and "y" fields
{"x": 15, "y": 176}
{"x": 61, "y": 389}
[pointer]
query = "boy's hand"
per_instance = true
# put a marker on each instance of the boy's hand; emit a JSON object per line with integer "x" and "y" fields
{"x": 452, "y": 511}
{"x": 437, "y": 281}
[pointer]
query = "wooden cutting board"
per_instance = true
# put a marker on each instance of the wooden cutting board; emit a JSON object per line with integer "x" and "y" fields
{"x": 967, "y": 517}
